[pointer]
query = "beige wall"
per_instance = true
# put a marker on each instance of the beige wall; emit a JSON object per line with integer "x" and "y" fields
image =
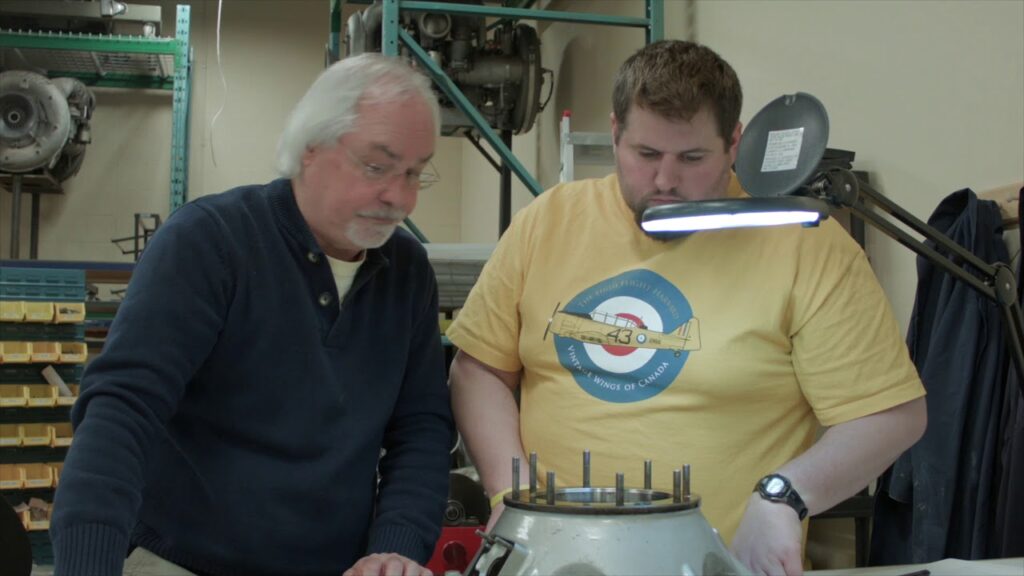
{"x": 481, "y": 188}
{"x": 929, "y": 95}
{"x": 584, "y": 59}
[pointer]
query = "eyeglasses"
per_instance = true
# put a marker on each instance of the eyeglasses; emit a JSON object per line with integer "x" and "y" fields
{"x": 375, "y": 172}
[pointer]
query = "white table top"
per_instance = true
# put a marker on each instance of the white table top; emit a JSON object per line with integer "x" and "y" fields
{"x": 947, "y": 567}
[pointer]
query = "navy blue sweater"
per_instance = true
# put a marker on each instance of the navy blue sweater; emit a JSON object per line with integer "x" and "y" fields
{"x": 234, "y": 422}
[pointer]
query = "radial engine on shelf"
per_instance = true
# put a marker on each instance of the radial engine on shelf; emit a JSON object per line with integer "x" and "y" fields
{"x": 498, "y": 69}
{"x": 44, "y": 123}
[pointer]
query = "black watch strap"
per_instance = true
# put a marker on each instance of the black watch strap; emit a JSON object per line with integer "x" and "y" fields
{"x": 778, "y": 488}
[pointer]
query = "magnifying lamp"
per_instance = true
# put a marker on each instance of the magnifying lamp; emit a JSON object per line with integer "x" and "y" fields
{"x": 778, "y": 164}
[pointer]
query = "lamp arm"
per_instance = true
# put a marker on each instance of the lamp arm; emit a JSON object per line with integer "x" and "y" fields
{"x": 998, "y": 282}
{"x": 932, "y": 255}
{"x": 930, "y": 233}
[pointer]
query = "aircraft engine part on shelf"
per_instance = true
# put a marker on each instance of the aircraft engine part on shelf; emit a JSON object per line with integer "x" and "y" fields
{"x": 603, "y": 530}
{"x": 498, "y": 70}
{"x": 44, "y": 123}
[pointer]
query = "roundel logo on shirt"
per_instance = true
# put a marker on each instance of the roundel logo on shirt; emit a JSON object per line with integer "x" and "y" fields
{"x": 625, "y": 339}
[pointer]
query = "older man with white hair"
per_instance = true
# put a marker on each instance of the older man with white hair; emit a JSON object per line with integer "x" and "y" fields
{"x": 271, "y": 398}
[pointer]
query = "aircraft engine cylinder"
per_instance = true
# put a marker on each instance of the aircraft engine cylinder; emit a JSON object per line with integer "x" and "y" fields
{"x": 492, "y": 70}
{"x": 434, "y": 25}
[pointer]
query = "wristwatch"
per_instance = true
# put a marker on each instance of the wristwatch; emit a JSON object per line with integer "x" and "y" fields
{"x": 777, "y": 488}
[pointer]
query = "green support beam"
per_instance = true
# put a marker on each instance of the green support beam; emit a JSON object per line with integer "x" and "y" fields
{"x": 521, "y": 13}
{"x": 180, "y": 110}
{"x": 86, "y": 42}
{"x": 416, "y": 231}
{"x": 389, "y": 28}
{"x": 116, "y": 80}
{"x": 334, "y": 41}
{"x": 656, "y": 21}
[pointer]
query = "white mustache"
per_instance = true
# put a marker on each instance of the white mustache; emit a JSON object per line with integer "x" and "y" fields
{"x": 395, "y": 215}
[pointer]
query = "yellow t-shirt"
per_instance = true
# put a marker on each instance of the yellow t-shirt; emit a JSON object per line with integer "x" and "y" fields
{"x": 722, "y": 350}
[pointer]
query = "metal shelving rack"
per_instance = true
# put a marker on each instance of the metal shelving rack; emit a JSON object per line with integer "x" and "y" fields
{"x": 393, "y": 37}
{"x": 43, "y": 285}
{"x": 588, "y": 148}
{"x": 114, "y": 61}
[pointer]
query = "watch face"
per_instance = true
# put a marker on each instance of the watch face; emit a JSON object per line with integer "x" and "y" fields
{"x": 775, "y": 486}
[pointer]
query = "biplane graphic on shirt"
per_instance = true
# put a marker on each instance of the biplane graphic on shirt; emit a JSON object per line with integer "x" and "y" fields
{"x": 625, "y": 338}
{"x": 606, "y": 329}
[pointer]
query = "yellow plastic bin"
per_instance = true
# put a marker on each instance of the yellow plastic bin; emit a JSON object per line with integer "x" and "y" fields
{"x": 73, "y": 352}
{"x": 38, "y": 311}
{"x": 61, "y": 434}
{"x": 13, "y": 396}
{"x": 41, "y": 395}
{"x": 15, "y": 352}
{"x": 69, "y": 312}
{"x": 45, "y": 351}
{"x": 36, "y": 434}
{"x": 58, "y": 467}
{"x": 12, "y": 311}
{"x": 22, "y": 512}
{"x": 68, "y": 400}
{"x": 11, "y": 477}
{"x": 38, "y": 514}
{"x": 10, "y": 435}
{"x": 37, "y": 476}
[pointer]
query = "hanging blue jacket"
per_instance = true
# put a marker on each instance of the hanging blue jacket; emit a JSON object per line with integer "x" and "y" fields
{"x": 935, "y": 501}
{"x": 1008, "y": 528}
{"x": 235, "y": 420}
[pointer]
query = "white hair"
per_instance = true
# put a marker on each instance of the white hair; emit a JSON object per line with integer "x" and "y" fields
{"x": 329, "y": 109}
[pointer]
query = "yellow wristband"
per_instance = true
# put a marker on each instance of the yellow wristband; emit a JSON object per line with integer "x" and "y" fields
{"x": 497, "y": 498}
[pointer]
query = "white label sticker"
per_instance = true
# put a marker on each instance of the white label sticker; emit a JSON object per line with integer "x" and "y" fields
{"x": 783, "y": 150}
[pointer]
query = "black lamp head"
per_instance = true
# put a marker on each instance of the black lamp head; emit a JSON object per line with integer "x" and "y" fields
{"x": 782, "y": 146}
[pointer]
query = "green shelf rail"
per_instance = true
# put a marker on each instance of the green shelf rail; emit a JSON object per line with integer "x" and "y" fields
{"x": 117, "y": 61}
